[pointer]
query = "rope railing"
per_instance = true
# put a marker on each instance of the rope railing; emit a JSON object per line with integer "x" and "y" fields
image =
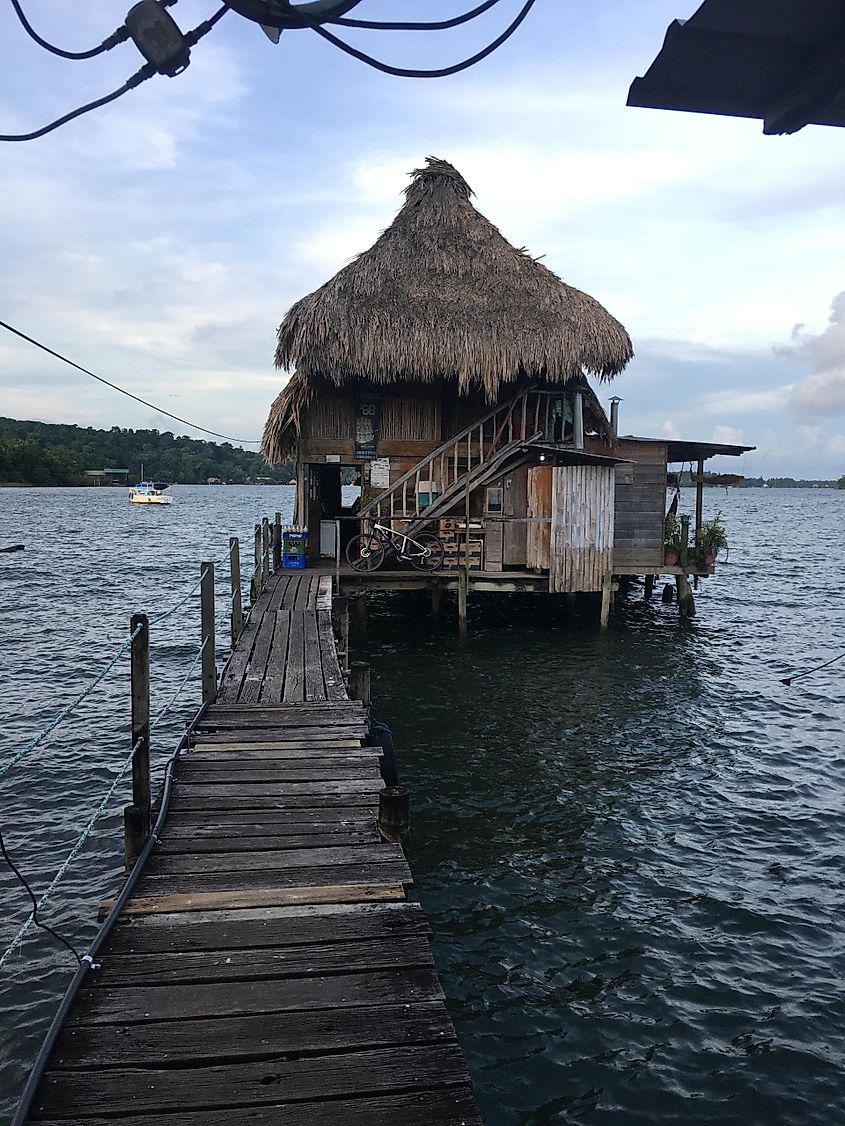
{"x": 65, "y": 712}
{"x": 137, "y": 815}
{"x": 69, "y": 859}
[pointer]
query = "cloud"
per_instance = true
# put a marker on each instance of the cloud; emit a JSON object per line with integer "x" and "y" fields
{"x": 823, "y": 392}
{"x": 728, "y": 435}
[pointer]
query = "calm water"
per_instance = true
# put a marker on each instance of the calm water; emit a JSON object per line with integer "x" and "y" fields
{"x": 630, "y": 845}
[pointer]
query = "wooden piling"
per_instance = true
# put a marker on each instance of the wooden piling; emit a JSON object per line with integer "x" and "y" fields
{"x": 359, "y": 615}
{"x": 606, "y": 596}
{"x": 277, "y": 541}
{"x": 686, "y": 602}
{"x": 359, "y": 682}
{"x": 340, "y": 623}
{"x": 436, "y": 595}
{"x": 255, "y": 584}
{"x": 208, "y": 662}
{"x": 649, "y": 587}
{"x": 265, "y": 551}
{"x": 463, "y": 587}
{"x": 394, "y": 814}
{"x": 235, "y": 585}
{"x": 136, "y": 817}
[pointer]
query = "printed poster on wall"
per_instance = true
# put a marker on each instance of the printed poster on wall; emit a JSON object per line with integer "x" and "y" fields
{"x": 366, "y": 430}
{"x": 380, "y": 473}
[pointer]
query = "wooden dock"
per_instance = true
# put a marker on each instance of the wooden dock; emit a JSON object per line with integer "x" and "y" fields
{"x": 268, "y": 967}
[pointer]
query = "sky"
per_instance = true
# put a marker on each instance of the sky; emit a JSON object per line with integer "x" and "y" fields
{"x": 159, "y": 241}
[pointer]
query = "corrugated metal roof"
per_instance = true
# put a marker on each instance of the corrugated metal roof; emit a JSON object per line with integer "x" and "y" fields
{"x": 782, "y": 61}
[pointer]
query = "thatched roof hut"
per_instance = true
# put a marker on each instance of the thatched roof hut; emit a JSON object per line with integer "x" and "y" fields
{"x": 441, "y": 295}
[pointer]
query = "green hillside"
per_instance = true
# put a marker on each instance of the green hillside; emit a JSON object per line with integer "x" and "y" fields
{"x": 39, "y": 453}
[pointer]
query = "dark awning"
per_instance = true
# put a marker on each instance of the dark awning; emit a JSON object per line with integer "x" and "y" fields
{"x": 677, "y": 449}
{"x": 782, "y": 61}
{"x": 568, "y": 455}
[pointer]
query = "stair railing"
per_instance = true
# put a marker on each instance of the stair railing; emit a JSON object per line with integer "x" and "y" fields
{"x": 460, "y": 455}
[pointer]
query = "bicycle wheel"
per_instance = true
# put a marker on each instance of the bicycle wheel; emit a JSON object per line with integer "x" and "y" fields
{"x": 431, "y": 557}
{"x": 365, "y": 553}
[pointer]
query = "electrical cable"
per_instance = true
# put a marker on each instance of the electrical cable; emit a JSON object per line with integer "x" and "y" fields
{"x": 407, "y": 72}
{"x": 787, "y": 680}
{"x": 119, "y": 36}
{"x": 35, "y": 920}
{"x": 146, "y": 71}
{"x": 192, "y": 37}
{"x": 434, "y": 25}
{"x": 128, "y": 394}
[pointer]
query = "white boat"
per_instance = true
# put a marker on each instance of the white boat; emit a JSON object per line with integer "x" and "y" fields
{"x": 150, "y": 492}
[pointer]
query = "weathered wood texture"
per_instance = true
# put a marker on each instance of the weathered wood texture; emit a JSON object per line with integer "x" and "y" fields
{"x": 539, "y": 534}
{"x": 268, "y": 967}
{"x": 640, "y": 506}
{"x": 582, "y": 528}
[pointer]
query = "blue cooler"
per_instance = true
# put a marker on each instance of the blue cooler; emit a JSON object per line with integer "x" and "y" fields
{"x": 294, "y": 561}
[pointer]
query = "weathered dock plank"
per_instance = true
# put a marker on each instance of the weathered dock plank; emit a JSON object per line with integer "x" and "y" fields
{"x": 268, "y": 968}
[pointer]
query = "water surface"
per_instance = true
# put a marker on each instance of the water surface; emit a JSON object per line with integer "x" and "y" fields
{"x": 630, "y": 845}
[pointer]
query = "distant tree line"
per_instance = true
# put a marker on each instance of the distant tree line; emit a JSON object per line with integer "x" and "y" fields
{"x": 686, "y": 479}
{"x": 39, "y": 453}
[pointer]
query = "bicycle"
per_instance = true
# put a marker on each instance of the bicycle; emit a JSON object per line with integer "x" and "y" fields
{"x": 367, "y": 552}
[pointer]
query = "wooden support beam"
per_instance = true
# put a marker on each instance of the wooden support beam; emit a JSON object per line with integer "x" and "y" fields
{"x": 463, "y": 586}
{"x": 649, "y": 586}
{"x": 136, "y": 817}
{"x": 606, "y": 593}
{"x": 277, "y": 542}
{"x": 208, "y": 661}
{"x": 394, "y": 814}
{"x": 436, "y": 595}
{"x": 235, "y": 587}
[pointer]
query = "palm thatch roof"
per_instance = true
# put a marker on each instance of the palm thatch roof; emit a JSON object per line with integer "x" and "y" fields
{"x": 441, "y": 295}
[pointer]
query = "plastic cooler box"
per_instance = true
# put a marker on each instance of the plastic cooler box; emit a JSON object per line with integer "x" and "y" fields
{"x": 294, "y": 561}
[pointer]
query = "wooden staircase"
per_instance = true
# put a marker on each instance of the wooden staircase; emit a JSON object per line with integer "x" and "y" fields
{"x": 465, "y": 461}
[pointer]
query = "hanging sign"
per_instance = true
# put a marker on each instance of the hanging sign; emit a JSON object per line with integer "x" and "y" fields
{"x": 366, "y": 430}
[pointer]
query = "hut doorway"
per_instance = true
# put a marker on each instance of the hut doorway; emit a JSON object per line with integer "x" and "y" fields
{"x": 325, "y": 508}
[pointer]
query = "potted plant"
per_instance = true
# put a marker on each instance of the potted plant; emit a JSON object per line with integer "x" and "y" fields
{"x": 671, "y": 539}
{"x": 710, "y": 538}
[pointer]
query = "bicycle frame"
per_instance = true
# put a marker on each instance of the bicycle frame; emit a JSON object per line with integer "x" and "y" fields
{"x": 398, "y": 542}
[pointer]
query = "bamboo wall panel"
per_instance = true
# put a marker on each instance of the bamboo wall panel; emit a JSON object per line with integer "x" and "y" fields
{"x": 539, "y": 547}
{"x": 582, "y": 528}
{"x": 330, "y": 416}
{"x": 417, "y": 420}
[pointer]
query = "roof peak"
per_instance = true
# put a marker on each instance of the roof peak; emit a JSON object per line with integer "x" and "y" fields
{"x": 437, "y": 173}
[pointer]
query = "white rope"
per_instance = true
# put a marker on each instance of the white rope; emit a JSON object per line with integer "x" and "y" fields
{"x": 65, "y": 712}
{"x": 69, "y": 859}
{"x": 178, "y": 691}
{"x": 181, "y": 602}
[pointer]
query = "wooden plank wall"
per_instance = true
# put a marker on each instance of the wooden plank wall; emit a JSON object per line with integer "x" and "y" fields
{"x": 640, "y": 506}
{"x": 582, "y": 528}
{"x": 539, "y": 549}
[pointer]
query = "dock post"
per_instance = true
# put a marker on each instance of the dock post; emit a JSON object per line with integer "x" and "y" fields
{"x": 649, "y": 587}
{"x": 277, "y": 542}
{"x": 359, "y": 615}
{"x": 606, "y": 597}
{"x": 255, "y": 585}
{"x": 359, "y": 682}
{"x": 340, "y": 621}
{"x": 394, "y": 814}
{"x": 136, "y": 817}
{"x": 683, "y": 553}
{"x": 265, "y": 551}
{"x": 436, "y": 594}
{"x": 209, "y": 667}
{"x": 235, "y": 582}
{"x": 463, "y": 586}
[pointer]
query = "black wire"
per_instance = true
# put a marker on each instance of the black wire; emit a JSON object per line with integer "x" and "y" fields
{"x": 191, "y": 37}
{"x": 116, "y": 37}
{"x": 129, "y": 395}
{"x": 146, "y": 71}
{"x": 35, "y": 920}
{"x": 787, "y": 680}
{"x": 443, "y": 72}
{"x": 437, "y": 25}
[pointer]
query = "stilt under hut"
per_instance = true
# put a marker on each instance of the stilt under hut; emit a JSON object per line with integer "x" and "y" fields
{"x": 448, "y": 370}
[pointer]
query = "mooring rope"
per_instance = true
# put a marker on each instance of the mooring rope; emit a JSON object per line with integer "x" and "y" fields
{"x": 787, "y": 680}
{"x": 168, "y": 613}
{"x": 65, "y": 712}
{"x": 69, "y": 859}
